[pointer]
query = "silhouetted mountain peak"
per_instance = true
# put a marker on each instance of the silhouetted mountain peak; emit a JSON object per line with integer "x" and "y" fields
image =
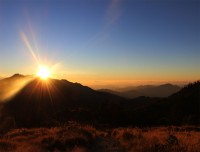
{"x": 17, "y": 75}
{"x": 167, "y": 85}
{"x": 41, "y": 101}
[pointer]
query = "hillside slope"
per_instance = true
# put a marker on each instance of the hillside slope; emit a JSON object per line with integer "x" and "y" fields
{"x": 180, "y": 108}
{"x": 43, "y": 102}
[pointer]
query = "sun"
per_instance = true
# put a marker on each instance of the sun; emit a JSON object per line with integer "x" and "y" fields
{"x": 43, "y": 72}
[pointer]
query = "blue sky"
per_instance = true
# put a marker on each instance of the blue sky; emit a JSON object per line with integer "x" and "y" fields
{"x": 103, "y": 42}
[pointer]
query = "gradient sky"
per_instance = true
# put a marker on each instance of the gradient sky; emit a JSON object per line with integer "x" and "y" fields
{"x": 103, "y": 43}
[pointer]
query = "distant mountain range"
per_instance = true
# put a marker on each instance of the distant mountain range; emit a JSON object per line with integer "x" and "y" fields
{"x": 181, "y": 108}
{"x": 164, "y": 90}
{"x": 51, "y": 102}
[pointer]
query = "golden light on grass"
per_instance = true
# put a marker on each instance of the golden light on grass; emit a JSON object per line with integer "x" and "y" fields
{"x": 43, "y": 72}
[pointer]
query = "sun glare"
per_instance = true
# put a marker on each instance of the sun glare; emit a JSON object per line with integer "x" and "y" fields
{"x": 43, "y": 72}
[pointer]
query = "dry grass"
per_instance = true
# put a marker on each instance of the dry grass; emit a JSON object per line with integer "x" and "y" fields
{"x": 80, "y": 138}
{"x": 163, "y": 139}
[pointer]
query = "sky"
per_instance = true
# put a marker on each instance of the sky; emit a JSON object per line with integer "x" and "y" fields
{"x": 102, "y": 43}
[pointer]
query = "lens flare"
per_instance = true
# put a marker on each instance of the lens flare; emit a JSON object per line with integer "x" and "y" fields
{"x": 43, "y": 72}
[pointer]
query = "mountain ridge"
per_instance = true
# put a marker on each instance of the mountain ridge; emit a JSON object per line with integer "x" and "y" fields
{"x": 163, "y": 90}
{"x": 44, "y": 102}
{"x": 46, "y": 98}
